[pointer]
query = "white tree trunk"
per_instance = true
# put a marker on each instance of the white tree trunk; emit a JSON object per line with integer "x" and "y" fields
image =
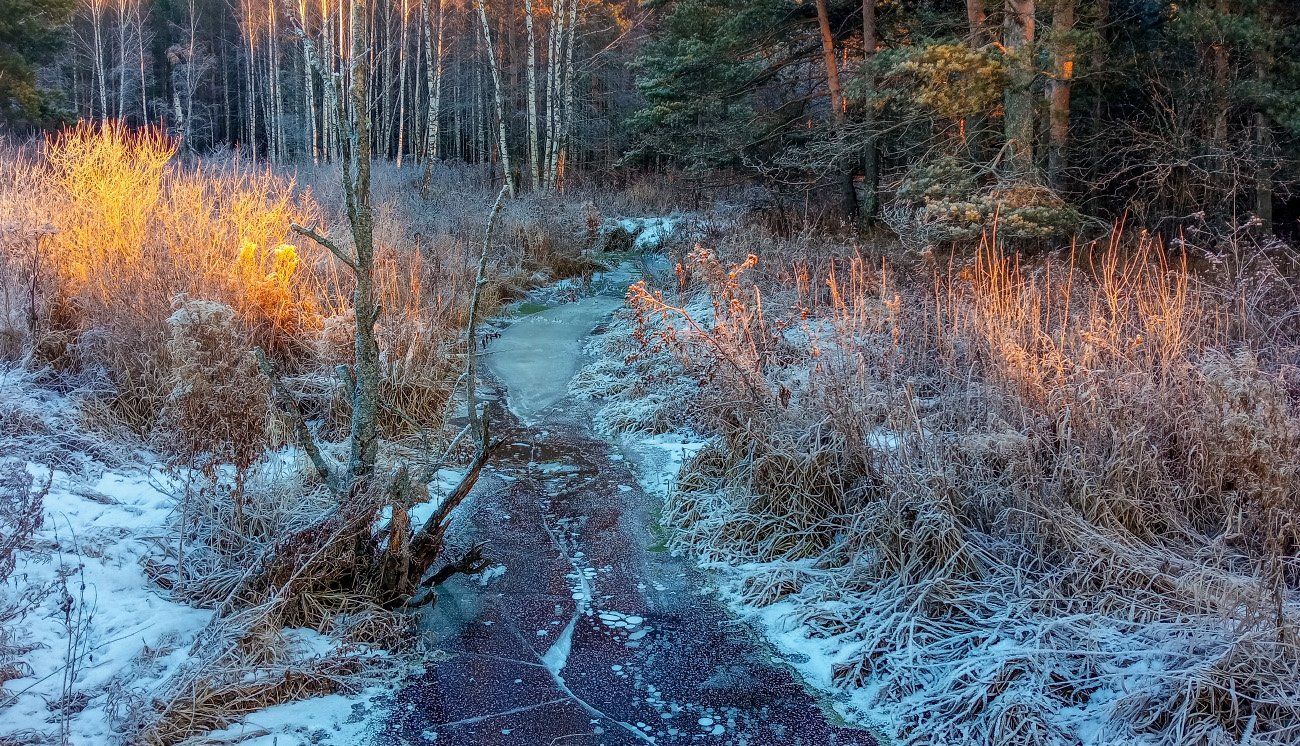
{"x": 98, "y": 73}
{"x": 310, "y": 139}
{"x": 433, "y": 36}
{"x": 534, "y": 145}
{"x": 498, "y": 100}
{"x": 566, "y": 125}
{"x": 401, "y": 82}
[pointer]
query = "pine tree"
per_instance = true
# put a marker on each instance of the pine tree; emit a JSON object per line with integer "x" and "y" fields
{"x": 31, "y": 33}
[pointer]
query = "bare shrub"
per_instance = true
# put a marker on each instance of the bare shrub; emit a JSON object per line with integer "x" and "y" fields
{"x": 21, "y": 515}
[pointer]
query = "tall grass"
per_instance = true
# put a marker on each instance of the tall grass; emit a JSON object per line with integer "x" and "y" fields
{"x": 1043, "y": 502}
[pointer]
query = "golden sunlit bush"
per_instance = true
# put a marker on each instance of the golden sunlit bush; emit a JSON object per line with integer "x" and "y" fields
{"x": 110, "y": 230}
{"x": 130, "y": 229}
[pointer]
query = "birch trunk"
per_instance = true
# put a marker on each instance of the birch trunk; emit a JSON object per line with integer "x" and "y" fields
{"x": 310, "y": 136}
{"x": 498, "y": 100}
{"x": 97, "y": 41}
{"x": 533, "y": 144}
{"x": 401, "y": 82}
{"x": 144, "y": 83}
{"x": 555, "y": 31}
{"x": 433, "y": 72}
{"x": 121, "y": 58}
{"x": 566, "y": 124}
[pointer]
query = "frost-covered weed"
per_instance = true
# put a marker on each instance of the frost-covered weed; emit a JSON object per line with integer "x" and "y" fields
{"x": 1004, "y": 504}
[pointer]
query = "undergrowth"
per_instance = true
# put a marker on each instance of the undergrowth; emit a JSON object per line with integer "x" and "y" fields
{"x": 1043, "y": 502}
{"x": 140, "y": 294}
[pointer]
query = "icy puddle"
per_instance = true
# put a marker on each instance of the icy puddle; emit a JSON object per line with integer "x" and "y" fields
{"x": 587, "y": 637}
{"x": 535, "y": 358}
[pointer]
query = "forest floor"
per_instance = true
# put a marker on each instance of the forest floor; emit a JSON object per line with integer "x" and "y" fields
{"x": 590, "y": 632}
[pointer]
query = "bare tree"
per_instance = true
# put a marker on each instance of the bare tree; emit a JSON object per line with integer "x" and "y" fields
{"x": 354, "y": 147}
{"x": 498, "y": 99}
{"x": 1063, "y": 50}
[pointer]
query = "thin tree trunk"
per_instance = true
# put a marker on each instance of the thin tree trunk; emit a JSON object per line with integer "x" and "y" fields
{"x": 1264, "y": 64}
{"x": 555, "y": 31}
{"x": 1018, "y": 105}
{"x": 277, "y": 100}
{"x": 843, "y": 176}
{"x": 121, "y": 58}
{"x": 871, "y": 149}
{"x": 976, "y": 20}
{"x": 144, "y": 83}
{"x": 498, "y": 100}
{"x": 309, "y": 132}
{"x": 433, "y": 39}
{"x": 471, "y": 330}
{"x": 355, "y": 149}
{"x": 364, "y": 438}
{"x": 1098, "y": 59}
{"x": 401, "y": 83}
{"x": 533, "y": 143}
{"x": 566, "y": 126}
{"x": 97, "y": 40}
{"x": 1059, "y": 105}
{"x": 191, "y": 79}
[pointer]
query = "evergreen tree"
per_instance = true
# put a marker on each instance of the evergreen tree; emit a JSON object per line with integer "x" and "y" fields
{"x": 31, "y": 34}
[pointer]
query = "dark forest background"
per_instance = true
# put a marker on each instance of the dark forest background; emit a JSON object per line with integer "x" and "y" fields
{"x": 935, "y": 115}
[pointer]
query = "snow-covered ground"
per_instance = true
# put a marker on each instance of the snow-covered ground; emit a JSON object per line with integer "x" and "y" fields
{"x": 100, "y": 625}
{"x": 99, "y": 633}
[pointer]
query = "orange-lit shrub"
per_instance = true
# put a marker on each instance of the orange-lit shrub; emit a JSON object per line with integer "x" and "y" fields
{"x": 133, "y": 229}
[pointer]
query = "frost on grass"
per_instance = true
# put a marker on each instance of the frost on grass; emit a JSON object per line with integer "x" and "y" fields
{"x": 992, "y": 507}
{"x": 107, "y": 631}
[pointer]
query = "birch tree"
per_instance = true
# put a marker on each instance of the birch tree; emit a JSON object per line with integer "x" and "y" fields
{"x": 530, "y": 22}
{"x": 433, "y": 37}
{"x": 498, "y": 99}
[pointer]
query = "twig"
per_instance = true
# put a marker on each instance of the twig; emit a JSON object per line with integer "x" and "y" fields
{"x": 334, "y": 248}
{"x": 299, "y": 423}
{"x": 480, "y": 279}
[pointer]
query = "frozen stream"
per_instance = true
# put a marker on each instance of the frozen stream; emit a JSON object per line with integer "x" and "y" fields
{"x": 591, "y": 636}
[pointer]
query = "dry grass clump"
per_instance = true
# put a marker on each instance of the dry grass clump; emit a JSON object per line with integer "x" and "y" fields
{"x": 216, "y": 411}
{"x": 250, "y": 656}
{"x": 1035, "y": 504}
